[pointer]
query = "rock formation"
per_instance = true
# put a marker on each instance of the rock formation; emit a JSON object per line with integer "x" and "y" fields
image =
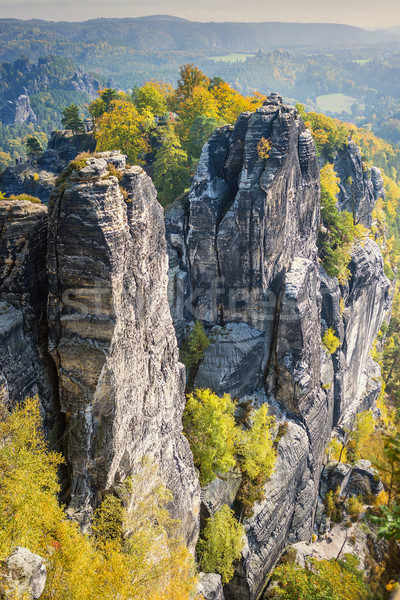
{"x": 360, "y": 186}
{"x": 25, "y": 365}
{"x": 112, "y": 337}
{"x": 243, "y": 260}
{"x": 19, "y": 111}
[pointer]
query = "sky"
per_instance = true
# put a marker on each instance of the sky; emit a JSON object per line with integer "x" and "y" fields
{"x": 362, "y": 13}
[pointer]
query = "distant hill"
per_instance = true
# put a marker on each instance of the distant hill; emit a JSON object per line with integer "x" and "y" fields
{"x": 166, "y": 33}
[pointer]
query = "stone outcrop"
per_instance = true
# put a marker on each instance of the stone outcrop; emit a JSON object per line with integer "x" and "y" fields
{"x": 25, "y": 365}
{"x": 36, "y": 176}
{"x": 210, "y": 587}
{"x": 360, "y": 186}
{"x": 243, "y": 260}
{"x": 112, "y": 337}
{"x": 18, "y": 112}
{"x": 86, "y": 83}
{"x": 23, "y": 575}
{"x": 26, "y": 178}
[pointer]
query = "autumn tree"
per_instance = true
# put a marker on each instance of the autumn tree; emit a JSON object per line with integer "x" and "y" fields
{"x": 190, "y": 77}
{"x": 221, "y": 544}
{"x": 152, "y": 96}
{"x": 124, "y": 128}
{"x": 320, "y": 580}
{"x": 209, "y": 425}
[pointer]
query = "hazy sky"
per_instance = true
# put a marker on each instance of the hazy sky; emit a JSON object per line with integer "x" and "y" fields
{"x": 364, "y": 13}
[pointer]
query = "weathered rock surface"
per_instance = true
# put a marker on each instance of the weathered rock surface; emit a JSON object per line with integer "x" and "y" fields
{"x": 19, "y": 111}
{"x": 233, "y": 361}
{"x": 24, "y": 361}
{"x": 24, "y": 574}
{"x": 243, "y": 260}
{"x": 221, "y": 490}
{"x": 86, "y": 83}
{"x": 210, "y": 586}
{"x": 28, "y": 179}
{"x": 112, "y": 338}
{"x": 360, "y": 186}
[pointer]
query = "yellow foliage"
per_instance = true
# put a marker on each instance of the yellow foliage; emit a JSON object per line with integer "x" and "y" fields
{"x": 263, "y": 148}
{"x": 330, "y": 340}
{"x": 135, "y": 553}
{"x": 336, "y": 451}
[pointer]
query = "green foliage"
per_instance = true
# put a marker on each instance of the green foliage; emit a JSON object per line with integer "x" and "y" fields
{"x": 26, "y": 197}
{"x": 320, "y": 580}
{"x": 332, "y": 506}
{"x": 209, "y": 425}
{"x": 72, "y": 120}
{"x": 255, "y": 447}
{"x": 171, "y": 169}
{"x": 355, "y": 507}
{"x": 193, "y": 348}
{"x": 335, "y": 242}
{"x": 200, "y": 130}
{"x": 330, "y": 340}
{"x": 151, "y": 96}
{"x": 33, "y": 145}
{"x": 221, "y": 544}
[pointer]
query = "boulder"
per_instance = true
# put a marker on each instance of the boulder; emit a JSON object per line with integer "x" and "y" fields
{"x": 23, "y": 574}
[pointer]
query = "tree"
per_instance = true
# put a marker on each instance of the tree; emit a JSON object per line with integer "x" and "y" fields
{"x": 33, "y": 146}
{"x": 320, "y": 580}
{"x": 152, "y": 96}
{"x": 71, "y": 119}
{"x": 200, "y": 130}
{"x": 255, "y": 447}
{"x": 193, "y": 349}
{"x": 221, "y": 543}
{"x": 190, "y": 77}
{"x": 171, "y": 170}
{"x": 330, "y": 340}
{"x": 102, "y": 104}
{"x": 134, "y": 552}
{"x": 209, "y": 426}
{"x": 123, "y": 128}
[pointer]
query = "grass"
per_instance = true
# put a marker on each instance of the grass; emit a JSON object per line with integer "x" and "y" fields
{"x": 337, "y": 103}
{"x": 230, "y": 57}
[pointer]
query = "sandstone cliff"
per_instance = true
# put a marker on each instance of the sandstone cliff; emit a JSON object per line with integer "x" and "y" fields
{"x": 112, "y": 337}
{"x": 25, "y": 366}
{"x": 243, "y": 260}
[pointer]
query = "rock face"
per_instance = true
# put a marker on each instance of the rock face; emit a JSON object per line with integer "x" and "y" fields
{"x": 112, "y": 337}
{"x": 85, "y": 83}
{"x": 37, "y": 177}
{"x": 243, "y": 260}
{"x": 25, "y": 365}
{"x": 360, "y": 186}
{"x": 24, "y": 575}
{"x": 19, "y": 111}
{"x": 27, "y": 179}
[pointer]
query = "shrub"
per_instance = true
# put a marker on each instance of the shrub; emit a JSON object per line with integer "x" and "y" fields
{"x": 193, "y": 349}
{"x": 210, "y": 428}
{"x": 112, "y": 170}
{"x": 354, "y": 506}
{"x": 263, "y": 148}
{"x": 320, "y": 580}
{"x": 26, "y": 197}
{"x": 221, "y": 544}
{"x": 330, "y": 340}
{"x": 255, "y": 447}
